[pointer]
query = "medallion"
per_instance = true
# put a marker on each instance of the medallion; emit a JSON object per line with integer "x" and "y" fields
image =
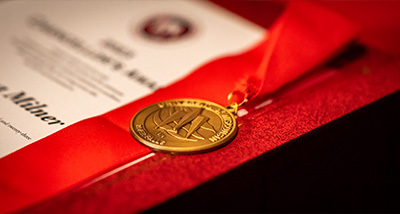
{"x": 184, "y": 126}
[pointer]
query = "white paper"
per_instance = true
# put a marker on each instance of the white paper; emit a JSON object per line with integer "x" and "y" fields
{"x": 65, "y": 61}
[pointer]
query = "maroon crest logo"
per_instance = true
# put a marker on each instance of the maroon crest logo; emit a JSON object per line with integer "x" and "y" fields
{"x": 165, "y": 28}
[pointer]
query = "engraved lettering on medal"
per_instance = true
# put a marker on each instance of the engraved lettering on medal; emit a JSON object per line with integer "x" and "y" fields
{"x": 225, "y": 130}
{"x": 142, "y": 132}
{"x": 161, "y": 105}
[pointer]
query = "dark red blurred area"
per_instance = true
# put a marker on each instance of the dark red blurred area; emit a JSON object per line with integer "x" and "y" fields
{"x": 380, "y": 20}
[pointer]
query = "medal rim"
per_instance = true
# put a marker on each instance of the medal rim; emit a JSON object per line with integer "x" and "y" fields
{"x": 185, "y": 150}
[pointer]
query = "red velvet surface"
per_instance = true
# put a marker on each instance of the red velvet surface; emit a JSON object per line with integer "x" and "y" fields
{"x": 164, "y": 176}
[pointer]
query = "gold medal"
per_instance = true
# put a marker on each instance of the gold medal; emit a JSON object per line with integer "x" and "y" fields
{"x": 184, "y": 126}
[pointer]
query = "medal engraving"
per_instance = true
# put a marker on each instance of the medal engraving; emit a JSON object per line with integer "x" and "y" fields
{"x": 184, "y": 126}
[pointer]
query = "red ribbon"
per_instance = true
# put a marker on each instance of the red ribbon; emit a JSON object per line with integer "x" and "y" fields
{"x": 303, "y": 37}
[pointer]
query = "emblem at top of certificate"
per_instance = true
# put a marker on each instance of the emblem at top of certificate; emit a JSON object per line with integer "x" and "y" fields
{"x": 184, "y": 126}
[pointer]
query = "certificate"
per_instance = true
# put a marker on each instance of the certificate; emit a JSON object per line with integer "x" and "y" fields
{"x": 63, "y": 62}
